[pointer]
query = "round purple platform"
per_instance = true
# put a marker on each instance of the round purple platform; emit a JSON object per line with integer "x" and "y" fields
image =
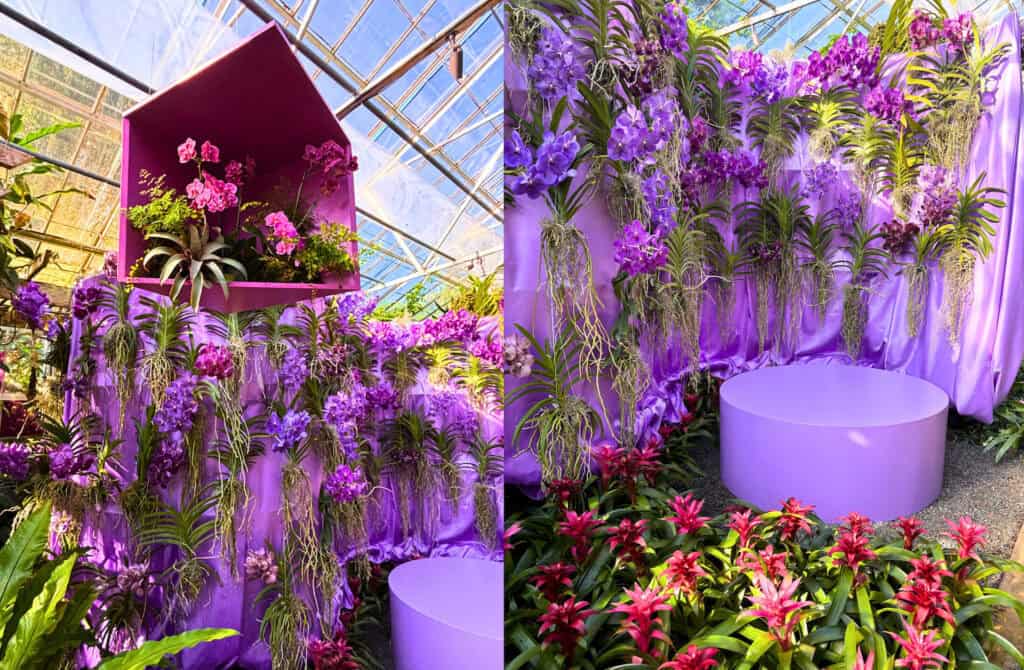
{"x": 447, "y": 614}
{"x": 844, "y": 438}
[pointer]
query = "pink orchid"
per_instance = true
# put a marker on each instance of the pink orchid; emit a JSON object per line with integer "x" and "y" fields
{"x": 209, "y": 152}
{"x": 682, "y": 571}
{"x": 687, "y": 518}
{"x": 642, "y": 622}
{"x": 777, "y": 607}
{"x": 967, "y": 535}
{"x": 187, "y": 150}
{"x": 692, "y": 659}
{"x": 919, "y": 649}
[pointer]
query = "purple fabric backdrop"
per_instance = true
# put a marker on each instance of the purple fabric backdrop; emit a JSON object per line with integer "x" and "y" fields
{"x": 977, "y": 377}
{"x": 231, "y": 603}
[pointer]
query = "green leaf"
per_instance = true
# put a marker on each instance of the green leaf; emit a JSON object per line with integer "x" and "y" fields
{"x": 33, "y": 628}
{"x": 17, "y": 557}
{"x": 153, "y": 651}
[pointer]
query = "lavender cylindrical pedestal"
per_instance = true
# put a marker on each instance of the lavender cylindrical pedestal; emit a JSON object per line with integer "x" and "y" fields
{"x": 446, "y": 614}
{"x": 843, "y": 438}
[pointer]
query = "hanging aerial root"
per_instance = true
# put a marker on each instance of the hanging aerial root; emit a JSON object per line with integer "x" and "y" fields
{"x": 958, "y": 290}
{"x": 159, "y": 372}
{"x": 917, "y": 297}
{"x": 855, "y": 318}
{"x": 485, "y": 515}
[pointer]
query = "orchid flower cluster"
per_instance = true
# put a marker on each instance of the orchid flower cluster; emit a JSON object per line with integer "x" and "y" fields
{"x": 31, "y": 304}
{"x": 888, "y": 104}
{"x": 936, "y": 196}
{"x": 557, "y": 65}
{"x": 750, "y": 72}
{"x": 554, "y": 163}
{"x": 850, "y": 63}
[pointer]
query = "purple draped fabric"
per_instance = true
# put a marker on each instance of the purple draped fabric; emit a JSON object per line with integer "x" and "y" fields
{"x": 231, "y": 603}
{"x": 977, "y": 377}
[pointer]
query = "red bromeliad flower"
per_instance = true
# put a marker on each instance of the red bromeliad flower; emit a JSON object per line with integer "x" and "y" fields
{"x": 692, "y": 659}
{"x": 794, "y": 519}
{"x": 929, "y": 570}
{"x": 912, "y": 529}
{"x": 332, "y": 654}
{"x": 925, "y": 599}
{"x": 646, "y": 461}
{"x": 551, "y": 579}
{"x": 919, "y": 649}
{"x": 627, "y": 541}
{"x": 563, "y": 624}
{"x": 854, "y": 548}
{"x": 687, "y": 518}
{"x": 609, "y": 459}
{"x": 690, "y": 400}
{"x": 967, "y": 535}
{"x": 642, "y": 622}
{"x": 858, "y": 523}
{"x": 777, "y": 607}
{"x": 765, "y": 562}
{"x": 744, "y": 525}
{"x": 682, "y": 572}
{"x": 511, "y": 532}
{"x": 865, "y": 663}
{"x": 579, "y": 528}
{"x": 562, "y": 490}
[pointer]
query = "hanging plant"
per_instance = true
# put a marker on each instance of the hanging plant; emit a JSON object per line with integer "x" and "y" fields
{"x": 234, "y": 328}
{"x": 164, "y": 324}
{"x": 817, "y": 238}
{"x": 189, "y": 530}
{"x": 137, "y": 500}
{"x": 560, "y": 424}
{"x": 950, "y": 82}
{"x": 275, "y": 334}
{"x": 864, "y": 263}
{"x": 286, "y": 621}
{"x": 682, "y": 294}
{"x": 630, "y": 377}
{"x": 445, "y": 445}
{"x": 121, "y": 345}
{"x": 831, "y": 111}
{"x": 965, "y": 239}
{"x": 900, "y": 163}
{"x": 863, "y": 146}
{"x": 774, "y": 128}
{"x": 727, "y": 265}
{"x": 407, "y": 461}
{"x": 768, "y": 232}
{"x": 344, "y": 501}
{"x": 487, "y": 465}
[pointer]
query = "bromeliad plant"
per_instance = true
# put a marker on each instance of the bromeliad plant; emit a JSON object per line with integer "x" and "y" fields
{"x": 599, "y": 577}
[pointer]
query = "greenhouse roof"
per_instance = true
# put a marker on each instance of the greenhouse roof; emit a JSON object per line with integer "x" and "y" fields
{"x": 429, "y": 188}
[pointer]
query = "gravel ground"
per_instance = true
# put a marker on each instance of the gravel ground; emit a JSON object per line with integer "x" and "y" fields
{"x": 973, "y": 484}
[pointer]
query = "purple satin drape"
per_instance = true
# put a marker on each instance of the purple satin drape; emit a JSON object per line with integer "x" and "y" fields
{"x": 231, "y": 603}
{"x": 977, "y": 377}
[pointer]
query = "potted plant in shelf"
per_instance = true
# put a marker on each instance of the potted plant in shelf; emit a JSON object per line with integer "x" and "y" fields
{"x": 256, "y": 207}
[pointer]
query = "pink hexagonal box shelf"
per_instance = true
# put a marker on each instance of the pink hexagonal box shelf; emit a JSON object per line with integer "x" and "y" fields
{"x": 256, "y": 100}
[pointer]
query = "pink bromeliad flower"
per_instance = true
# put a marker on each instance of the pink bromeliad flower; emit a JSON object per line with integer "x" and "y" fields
{"x": 687, "y": 518}
{"x": 967, "y": 535}
{"x": 775, "y": 605}
{"x": 794, "y": 519}
{"x": 682, "y": 572}
{"x": 550, "y": 580}
{"x": 642, "y": 622}
{"x": 627, "y": 541}
{"x": 858, "y": 523}
{"x": 511, "y": 532}
{"x": 579, "y": 528}
{"x": 924, "y": 599}
{"x": 854, "y": 549}
{"x": 929, "y": 570}
{"x": 647, "y": 460}
{"x": 919, "y": 649}
{"x": 609, "y": 458}
{"x": 912, "y": 529}
{"x": 744, "y": 525}
{"x": 765, "y": 561}
{"x": 692, "y": 659}
{"x": 865, "y": 663}
{"x": 563, "y": 624}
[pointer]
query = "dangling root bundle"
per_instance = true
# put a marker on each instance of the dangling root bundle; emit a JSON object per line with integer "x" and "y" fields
{"x": 416, "y": 482}
{"x": 625, "y": 200}
{"x": 855, "y": 318}
{"x": 565, "y": 450}
{"x": 724, "y": 294}
{"x": 789, "y": 298}
{"x": 485, "y": 515}
{"x": 120, "y": 347}
{"x": 950, "y": 137}
{"x": 569, "y": 272}
{"x": 284, "y": 628}
{"x": 231, "y": 412}
{"x": 957, "y": 265}
{"x": 298, "y": 517}
{"x": 191, "y": 575}
{"x": 239, "y": 359}
{"x": 159, "y": 371}
{"x": 683, "y": 296}
{"x": 917, "y": 296}
{"x": 764, "y": 283}
{"x": 629, "y": 381}
{"x": 821, "y": 144}
{"x": 233, "y": 498}
{"x": 194, "y": 451}
{"x": 821, "y": 278}
{"x": 351, "y": 517}
{"x": 523, "y": 28}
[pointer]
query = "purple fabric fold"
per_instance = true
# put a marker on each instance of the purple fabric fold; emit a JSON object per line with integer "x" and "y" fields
{"x": 976, "y": 378}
